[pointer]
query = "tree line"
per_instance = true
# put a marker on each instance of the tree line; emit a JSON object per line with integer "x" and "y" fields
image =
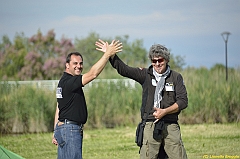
{"x": 42, "y": 57}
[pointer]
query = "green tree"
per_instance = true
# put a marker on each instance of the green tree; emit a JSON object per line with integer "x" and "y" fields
{"x": 12, "y": 56}
{"x": 86, "y": 46}
{"x": 42, "y": 57}
{"x": 134, "y": 54}
{"x": 176, "y": 62}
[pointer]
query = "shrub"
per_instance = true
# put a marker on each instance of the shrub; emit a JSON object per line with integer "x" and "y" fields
{"x": 26, "y": 109}
{"x": 111, "y": 103}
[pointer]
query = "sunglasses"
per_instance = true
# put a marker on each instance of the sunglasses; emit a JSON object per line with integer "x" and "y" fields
{"x": 157, "y": 60}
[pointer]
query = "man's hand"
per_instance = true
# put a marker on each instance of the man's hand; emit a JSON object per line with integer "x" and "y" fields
{"x": 111, "y": 49}
{"x": 102, "y": 45}
{"x": 159, "y": 113}
{"x": 54, "y": 141}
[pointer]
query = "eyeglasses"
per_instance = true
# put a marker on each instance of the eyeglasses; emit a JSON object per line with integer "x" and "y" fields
{"x": 157, "y": 60}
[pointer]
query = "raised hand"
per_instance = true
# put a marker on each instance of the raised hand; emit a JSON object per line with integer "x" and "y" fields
{"x": 102, "y": 45}
{"x": 113, "y": 48}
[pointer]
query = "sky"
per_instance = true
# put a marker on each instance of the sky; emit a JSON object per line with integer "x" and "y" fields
{"x": 190, "y": 29}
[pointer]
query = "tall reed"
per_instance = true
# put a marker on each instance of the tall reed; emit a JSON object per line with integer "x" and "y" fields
{"x": 26, "y": 109}
{"x": 113, "y": 104}
{"x": 212, "y": 99}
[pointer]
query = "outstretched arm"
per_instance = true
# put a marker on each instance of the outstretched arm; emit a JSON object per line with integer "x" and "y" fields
{"x": 97, "y": 68}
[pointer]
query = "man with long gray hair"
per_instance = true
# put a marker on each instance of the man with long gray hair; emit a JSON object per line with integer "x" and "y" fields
{"x": 164, "y": 95}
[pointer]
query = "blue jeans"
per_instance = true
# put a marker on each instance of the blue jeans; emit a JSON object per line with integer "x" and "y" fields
{"x": 69, "y": 138}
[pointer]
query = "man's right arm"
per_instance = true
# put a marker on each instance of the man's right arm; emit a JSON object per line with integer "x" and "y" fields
{"x": 97, "y": 68}
{"x": 56, "y": 116}
{"x": 54, "y": 141}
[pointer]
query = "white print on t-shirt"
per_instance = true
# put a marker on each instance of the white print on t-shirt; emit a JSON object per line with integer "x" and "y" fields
{"x": 59, "y": 92}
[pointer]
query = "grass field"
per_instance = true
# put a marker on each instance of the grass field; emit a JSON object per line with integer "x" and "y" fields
{"x": 201, "y": 141}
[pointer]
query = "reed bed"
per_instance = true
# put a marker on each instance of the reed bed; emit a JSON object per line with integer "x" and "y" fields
{"x": 212, "y": 99}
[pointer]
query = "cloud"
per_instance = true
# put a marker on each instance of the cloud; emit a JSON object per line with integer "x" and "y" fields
{"x": 147, "y": 20}
{"x": 190, "y": 28}
{"x": 193, "y": 22}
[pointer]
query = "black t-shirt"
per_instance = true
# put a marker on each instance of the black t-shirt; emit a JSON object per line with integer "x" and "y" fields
{"x": 71, "y": 100}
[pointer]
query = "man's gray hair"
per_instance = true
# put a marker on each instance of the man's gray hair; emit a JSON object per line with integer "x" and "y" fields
{"x": 157, "y": 50}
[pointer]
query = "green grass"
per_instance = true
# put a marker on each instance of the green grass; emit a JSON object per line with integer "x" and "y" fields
{"x": 199, "y": 140}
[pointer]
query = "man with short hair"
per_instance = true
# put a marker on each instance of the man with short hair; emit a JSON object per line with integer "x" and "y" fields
{"x": 164, "y": 95}
{"x": 71, "y": 112}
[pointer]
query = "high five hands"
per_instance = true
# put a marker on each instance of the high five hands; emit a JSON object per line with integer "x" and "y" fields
{"x": 102, "y": 45}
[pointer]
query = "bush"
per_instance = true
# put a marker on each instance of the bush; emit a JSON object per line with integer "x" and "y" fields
{"x": 113, "y": 104}
{"x": 212, "y": 99}
{"x": 26, "y": 109}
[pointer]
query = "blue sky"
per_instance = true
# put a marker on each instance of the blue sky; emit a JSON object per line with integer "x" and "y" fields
{"x": 191, "y": 29}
